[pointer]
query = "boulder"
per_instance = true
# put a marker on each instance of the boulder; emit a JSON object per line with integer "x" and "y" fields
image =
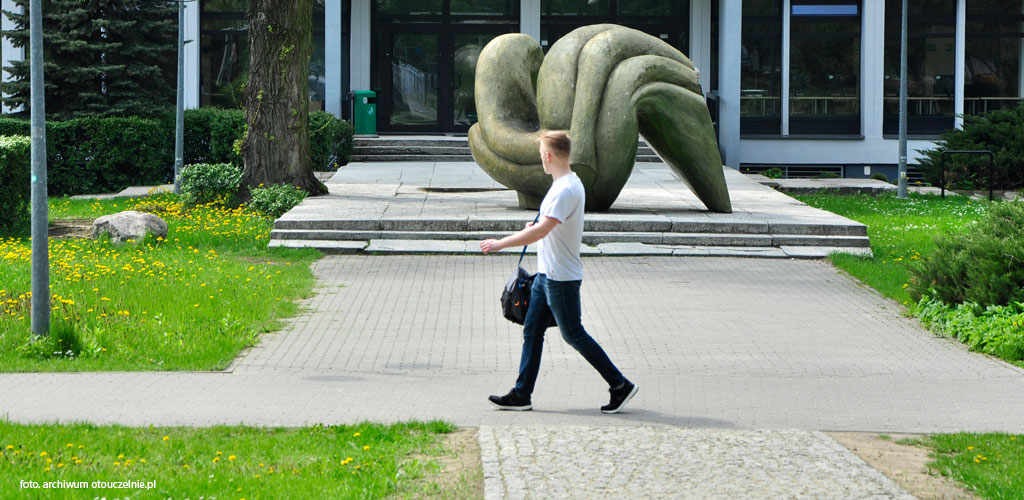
{"x": 129, "y": 225}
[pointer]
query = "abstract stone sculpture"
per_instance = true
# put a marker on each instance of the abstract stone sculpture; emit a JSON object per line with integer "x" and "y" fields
{"x": 603, "y": 84}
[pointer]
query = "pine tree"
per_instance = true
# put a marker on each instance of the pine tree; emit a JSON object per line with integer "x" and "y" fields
{"x": 101, "y": 58}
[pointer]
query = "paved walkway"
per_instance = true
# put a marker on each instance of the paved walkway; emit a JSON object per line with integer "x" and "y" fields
{"x": 672, "y": 463}
{"x": 740, "y": 363}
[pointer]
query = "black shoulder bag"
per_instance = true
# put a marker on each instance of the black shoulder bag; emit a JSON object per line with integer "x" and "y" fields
{"x": 515, "y": 298}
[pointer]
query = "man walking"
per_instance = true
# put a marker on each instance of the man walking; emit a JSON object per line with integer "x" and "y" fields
{"x": 556, "y": 289}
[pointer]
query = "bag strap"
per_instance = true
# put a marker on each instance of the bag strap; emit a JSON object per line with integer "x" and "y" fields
{"x": 523, "y": 254}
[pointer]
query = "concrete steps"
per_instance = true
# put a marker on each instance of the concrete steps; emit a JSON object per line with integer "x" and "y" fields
{"x": 603, "y": 235}
{"x": 440, "y": 148}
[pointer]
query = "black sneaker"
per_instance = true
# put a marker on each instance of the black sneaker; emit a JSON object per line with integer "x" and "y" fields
{"x": 620, "y": 397}
{"x": 511, "y": 401}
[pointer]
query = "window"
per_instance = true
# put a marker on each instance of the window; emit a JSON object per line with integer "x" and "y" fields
{"x": 668, "y": 20}
{"x": 224, "y": 54}
{"x": 992, "y": 65}
{"x": 824, "y": 67}
{"x": 761, "y": 68}
{"x": 931, "y": 64}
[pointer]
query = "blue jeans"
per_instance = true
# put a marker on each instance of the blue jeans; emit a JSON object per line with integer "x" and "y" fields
{"x": 560, "y": 299}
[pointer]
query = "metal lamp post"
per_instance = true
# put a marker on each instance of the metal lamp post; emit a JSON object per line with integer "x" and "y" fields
{"x": 40, "y": 233}
{"x": 902, "y": 190}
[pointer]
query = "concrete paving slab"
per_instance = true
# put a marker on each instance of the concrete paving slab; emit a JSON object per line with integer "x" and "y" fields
{"x": 812, "y": 252}
{"x": 578, "y": 462}
{"x": 713, "y": 343}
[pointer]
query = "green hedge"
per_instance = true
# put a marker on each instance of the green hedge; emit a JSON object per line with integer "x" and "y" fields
{"x": 96, "y": 155}
{"x": 15, "y": 167}
{"x": 210, "y": 135}
{"x": 984, "y": 265}
{"x": 1000, "y": 131}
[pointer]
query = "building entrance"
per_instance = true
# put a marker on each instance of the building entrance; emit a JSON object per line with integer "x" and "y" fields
{"x": 426, "y": 76}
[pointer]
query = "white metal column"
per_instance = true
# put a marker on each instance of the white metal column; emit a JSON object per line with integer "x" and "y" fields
{"x": 191, "y": 55}
{"x": 529, "y": 18}
{"x": 959, "y": 73}
{"x": 787, "y": 29}
{"x": 10, "y": 52}
{"x": 729, "y": 59}
{"x": 333, "y": 56}
{"x": 872, "y": 74}
{"x": 359, "y": 59}
{"x": 700, "y": 40}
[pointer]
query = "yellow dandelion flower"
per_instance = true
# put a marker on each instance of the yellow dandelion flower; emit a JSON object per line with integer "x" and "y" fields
{"x": 232, "y": 457}
{"x": 366, "y": 448}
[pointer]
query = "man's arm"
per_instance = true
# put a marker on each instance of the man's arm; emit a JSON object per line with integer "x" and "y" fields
{"x": 530, "y": 234}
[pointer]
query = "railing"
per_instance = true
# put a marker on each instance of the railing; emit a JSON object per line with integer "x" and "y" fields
{"x": 979, "y": 105}
{"x": 991, "y": 163}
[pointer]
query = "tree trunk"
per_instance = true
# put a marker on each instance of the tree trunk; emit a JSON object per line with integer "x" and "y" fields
{"x": 276, "y": 145}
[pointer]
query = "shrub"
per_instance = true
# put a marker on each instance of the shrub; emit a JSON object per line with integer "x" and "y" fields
{"x": 993, "y": 330}
{"x": 1000, "y": 131}
{"x": 984, "y": 265}
{"x": 275, "y": 200}
{"x": 210, "y": 134}
{"x": 826, "y": 175}
{"x": 330, "y": 141}
{"x": 15, "y": 167}
{"x": 880, "y": 177}
{"x": 209, "y": 183}
{"x": 96, "y": 155}
{"x": 773, "y": 173}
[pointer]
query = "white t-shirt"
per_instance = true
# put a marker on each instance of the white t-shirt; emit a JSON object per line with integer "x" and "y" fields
{"x": 558, "y": 253}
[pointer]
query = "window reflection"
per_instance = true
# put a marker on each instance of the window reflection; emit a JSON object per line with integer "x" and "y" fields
{"x": 993, "y": 55}
{"x": 224, "y": 54}
{"x": 824, "y": 69}
{"x": 931, "y": 63}
{"x": 668, "y": 20}
{"x": 761, "y": 68}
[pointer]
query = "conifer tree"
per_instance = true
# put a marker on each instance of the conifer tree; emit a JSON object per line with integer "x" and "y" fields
{"x": 101, "y": 58}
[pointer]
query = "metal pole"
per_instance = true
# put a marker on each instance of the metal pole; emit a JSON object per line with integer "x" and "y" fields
{"x": 902, "y": 191}
{"x": 179, "y": 118}
{"x": 40, "y": 213}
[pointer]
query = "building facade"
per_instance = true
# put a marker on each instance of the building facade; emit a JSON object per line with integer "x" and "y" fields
{"x": 792, "y": 83}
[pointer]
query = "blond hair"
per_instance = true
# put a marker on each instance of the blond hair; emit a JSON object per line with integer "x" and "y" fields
{"x": 557, "y": 142}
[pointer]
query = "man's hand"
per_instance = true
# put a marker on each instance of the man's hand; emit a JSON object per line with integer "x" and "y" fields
{"x": 488, "y": 246}
{"x": 531, "y": 233}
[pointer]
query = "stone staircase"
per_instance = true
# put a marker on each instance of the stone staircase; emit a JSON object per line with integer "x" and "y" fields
{"x": 603, "y": 235}
{"x": 433, "y": 148}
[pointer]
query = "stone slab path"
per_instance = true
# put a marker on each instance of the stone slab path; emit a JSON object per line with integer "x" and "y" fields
{"x": 712, "y": 343}
{"x": 739, "y": 361}
{"x": 672, "y": 463}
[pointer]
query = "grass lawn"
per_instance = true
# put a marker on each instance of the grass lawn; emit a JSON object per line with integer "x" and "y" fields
{"x": 990, "y": 465}
{"x": 191, "y": 301}
{"x": 901, "y": 232}
{"x": 363, "y": 461}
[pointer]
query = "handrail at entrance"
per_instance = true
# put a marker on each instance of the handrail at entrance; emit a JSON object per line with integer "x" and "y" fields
{"x": 991, "y": 162}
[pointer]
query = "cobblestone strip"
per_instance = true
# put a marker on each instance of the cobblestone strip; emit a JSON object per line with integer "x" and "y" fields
{"x": 673, "y": 463}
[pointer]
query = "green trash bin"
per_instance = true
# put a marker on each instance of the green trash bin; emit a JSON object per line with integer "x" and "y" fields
{"x": 364, "y": 111}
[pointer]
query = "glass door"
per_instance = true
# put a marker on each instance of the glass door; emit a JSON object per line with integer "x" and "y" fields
{"x": 412, "y": 66}
{"x": 431, "y": 71}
